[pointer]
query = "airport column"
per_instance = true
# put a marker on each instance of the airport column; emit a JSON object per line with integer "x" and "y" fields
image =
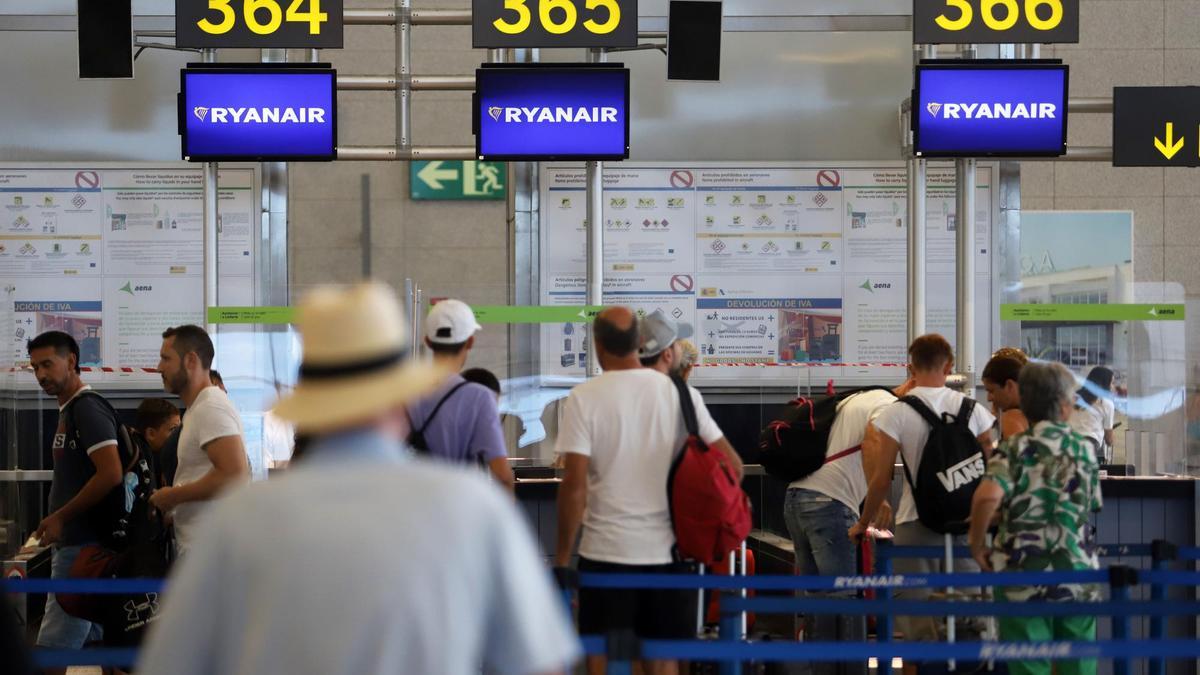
{"x": 595, "y": 236}
{"x": 210, "y": 225}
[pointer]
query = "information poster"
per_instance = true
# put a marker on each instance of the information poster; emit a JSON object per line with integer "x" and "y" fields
{"x": 788, "y": 273}
{"x": 114, "y": 256}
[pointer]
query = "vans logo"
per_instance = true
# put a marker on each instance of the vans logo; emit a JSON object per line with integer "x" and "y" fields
{"x": 1005, "y": 111}
{"x": 540, "y": 115}
{"x": 963, "y": 473}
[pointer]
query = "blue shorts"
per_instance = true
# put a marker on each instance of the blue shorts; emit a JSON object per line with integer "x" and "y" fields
{"x": 61, "y": 630}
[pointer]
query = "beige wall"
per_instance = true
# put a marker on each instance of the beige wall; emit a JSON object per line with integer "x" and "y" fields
{"x": 451, "y": 248}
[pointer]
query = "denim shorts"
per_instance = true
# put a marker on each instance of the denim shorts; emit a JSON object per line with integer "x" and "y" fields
{"x": 61, "y": 630}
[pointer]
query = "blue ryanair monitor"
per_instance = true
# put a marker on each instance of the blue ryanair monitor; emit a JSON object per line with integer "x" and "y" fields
{"x": 258, "y": 113}
{"x": 555, "y": 112}
{"x": 990, "y": 109}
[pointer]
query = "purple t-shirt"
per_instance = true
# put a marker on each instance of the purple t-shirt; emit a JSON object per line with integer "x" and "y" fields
{"x": 467, "y": 427}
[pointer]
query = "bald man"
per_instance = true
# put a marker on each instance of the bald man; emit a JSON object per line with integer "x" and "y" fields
{"x": 619, "y": 433}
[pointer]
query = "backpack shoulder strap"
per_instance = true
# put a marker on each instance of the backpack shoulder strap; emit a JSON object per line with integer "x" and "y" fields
{"x": 964, "y": 413}
{"x": 685, "y": 403}
{"x": 436, "y": 408}
{"x": 922, "y": 410}
{"x": 124, "y": 438}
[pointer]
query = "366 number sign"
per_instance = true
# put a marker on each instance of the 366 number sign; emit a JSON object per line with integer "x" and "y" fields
{"x": 995, "y": 21}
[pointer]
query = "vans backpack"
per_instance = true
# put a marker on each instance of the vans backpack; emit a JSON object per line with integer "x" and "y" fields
{"x": 793, "y": 446}
{"x": 951, "y": 468}
{"x": 709, "y": 511}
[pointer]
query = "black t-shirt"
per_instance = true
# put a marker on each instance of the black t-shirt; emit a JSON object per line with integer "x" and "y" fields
{"x": 168, "y": 458}
{"x": 95, "y": 428}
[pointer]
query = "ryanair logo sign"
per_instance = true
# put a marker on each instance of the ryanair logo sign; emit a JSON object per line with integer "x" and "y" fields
{"x": 1002, "y": 111}
{"x": 555, "y": 115}
{"x": 260, "y": 115}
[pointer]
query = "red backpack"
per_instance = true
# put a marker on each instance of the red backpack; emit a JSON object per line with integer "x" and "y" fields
{"x": 709, "y": 511}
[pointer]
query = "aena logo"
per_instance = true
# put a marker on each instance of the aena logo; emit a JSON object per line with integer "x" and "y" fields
{"x": 131, "y": 289}
{"x": 1004, "y": 111}
{"x": 260, "y": 115}
{"x": 541, "y": 115}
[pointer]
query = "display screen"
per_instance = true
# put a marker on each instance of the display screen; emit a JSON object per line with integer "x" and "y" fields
{"x": 990, "y": 110}
{"x": 540, "y": 113}
{"x": 105, "y": 32}
{"x": 694, "y": 40}
{"x": 258, "y": 114}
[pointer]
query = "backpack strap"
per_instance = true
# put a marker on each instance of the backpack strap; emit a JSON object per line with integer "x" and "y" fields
{"x": 964, "y": 413}
{"x": 685, "y": 403}
{"x": 123, "y": 438}
{"x": 436, "y": 408}
{"x": 923, "y": 410}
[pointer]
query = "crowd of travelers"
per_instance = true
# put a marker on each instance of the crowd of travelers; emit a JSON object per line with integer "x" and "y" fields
{"x": 393, "y": 543}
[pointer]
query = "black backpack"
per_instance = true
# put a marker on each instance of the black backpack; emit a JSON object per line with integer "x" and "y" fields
{"x": 951, "y": 467}
{"x": 416, "y": 437}
{"x": 117, "y": 525}
{"x": 793, "y": 446}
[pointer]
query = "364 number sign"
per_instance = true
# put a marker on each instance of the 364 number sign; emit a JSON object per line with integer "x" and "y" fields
{"x": 259, "y": 23}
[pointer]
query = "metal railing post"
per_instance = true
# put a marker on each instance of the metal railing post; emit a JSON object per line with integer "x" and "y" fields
{"x": 883, "y": 621}
{"x": 1162, "y": 553}
{"x": 1120, "y": 578}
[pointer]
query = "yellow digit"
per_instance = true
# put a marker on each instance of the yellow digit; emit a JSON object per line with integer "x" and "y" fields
{"x": 988, "y": 8}
{"x": 568, "y": 22}
{"x": 227, "y": 18}
{"x": 1056, "y": 14}
{"x": 964, "y": 17}
{"x": 522, "y": 22}
{"x": 614, "y": 17}
{"x": 274, "y": 11}
{"x": 314, "y": 17}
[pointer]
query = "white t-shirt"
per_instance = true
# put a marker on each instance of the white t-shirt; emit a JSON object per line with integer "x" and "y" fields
{"x": 843, "y": 479}
{"x": 211, "y": 416}
{"x": 906, "y": 426}
{"x": 1093, "y": 420}
{"x": 628, "y": 422}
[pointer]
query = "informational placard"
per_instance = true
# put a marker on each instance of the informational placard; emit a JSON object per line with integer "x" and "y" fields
{"x": 263, "y": 114}
{"x": 551, "y": 112}
{"x": 990, "y": 110}
{"x": 554, "y": 23}
{"x": 259, "y": 24}
{"x": 788, "y": 272}
{"x": 1156, "y": 126}
{"x": 114, "y": 256}
{"x": 995, "y": 21}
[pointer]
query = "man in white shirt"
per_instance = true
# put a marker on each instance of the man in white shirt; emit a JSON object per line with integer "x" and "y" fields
{"x": 903, "y": 431}
{"x": 820, "y": 508}
{"x": 211, "y": 456}
{"x": 360, "y": 559}
{"x": 619, "y": 434}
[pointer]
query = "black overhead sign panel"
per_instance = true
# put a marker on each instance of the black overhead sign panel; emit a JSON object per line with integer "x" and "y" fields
{"x": 1156, "y": 126}
{"x": 995, "y": 21}
{"x": 554, "y": 23}
{"x": 259, "y": 24}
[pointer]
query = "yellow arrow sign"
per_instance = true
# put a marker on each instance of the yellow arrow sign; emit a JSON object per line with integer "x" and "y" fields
{"x": 1171, "y": 147}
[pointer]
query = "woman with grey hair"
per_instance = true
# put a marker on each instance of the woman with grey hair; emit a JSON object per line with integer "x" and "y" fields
{"x": 1045, "y": 483}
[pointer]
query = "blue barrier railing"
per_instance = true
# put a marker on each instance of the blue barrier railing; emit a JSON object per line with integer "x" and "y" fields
{"x": 730, "y": 650}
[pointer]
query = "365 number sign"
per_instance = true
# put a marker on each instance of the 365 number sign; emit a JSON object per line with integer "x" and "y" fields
{"x": 554, "y": 23}
{"x": 253, "y": 24}
{"x": 995, "y": 21}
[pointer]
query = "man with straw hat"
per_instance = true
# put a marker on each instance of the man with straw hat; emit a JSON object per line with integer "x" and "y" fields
{"x": 361, "y": 559}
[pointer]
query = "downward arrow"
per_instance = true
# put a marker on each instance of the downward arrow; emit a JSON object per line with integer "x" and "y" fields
{"x": 1171, "y": 147}
{"x": 433, "y": 174}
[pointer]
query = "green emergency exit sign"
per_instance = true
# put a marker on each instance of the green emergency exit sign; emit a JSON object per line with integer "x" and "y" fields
{"x": 468, "y": 179}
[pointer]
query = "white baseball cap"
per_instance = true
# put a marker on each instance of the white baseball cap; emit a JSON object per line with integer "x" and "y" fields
{"x": 451, "y": 322}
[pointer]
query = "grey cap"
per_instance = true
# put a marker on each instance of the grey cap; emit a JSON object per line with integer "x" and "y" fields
{"x": 657, "y": 331}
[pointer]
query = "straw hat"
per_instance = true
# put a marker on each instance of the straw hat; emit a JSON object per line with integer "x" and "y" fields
{"x": 356, "y": 360}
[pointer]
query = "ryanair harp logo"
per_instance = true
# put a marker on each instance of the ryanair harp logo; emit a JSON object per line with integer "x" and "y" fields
{"x": 933, "y": 108}
{"x": 495, "y": 112}
{"x": 200, "y": 112}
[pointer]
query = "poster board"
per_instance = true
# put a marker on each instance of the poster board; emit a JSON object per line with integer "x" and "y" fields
{"x": 113, "y": 254}
{"x": 789, "y": 272}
